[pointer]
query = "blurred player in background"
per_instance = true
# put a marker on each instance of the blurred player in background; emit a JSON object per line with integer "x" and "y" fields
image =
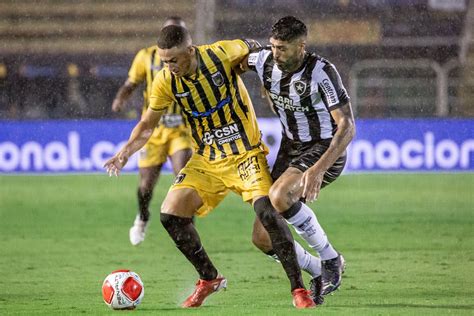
{"x": 170, "y": 138}
{"x": 229, "y": 154}
{"x": 307, "y": 94}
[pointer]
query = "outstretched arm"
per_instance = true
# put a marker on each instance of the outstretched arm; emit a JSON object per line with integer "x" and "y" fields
{"x": 313, "y": 177}
{"x": 138, "y": 138}
{"x": 123, "y": 94}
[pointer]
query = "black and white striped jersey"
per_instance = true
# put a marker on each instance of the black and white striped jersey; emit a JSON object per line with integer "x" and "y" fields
{"x": 302, "y": 99}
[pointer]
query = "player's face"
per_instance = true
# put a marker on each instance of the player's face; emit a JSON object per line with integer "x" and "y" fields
{"x": 287, "y": 55}
{"x": 178, "y": 59}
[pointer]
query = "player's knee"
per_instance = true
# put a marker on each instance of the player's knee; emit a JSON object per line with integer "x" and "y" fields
{"x": 170, "y": 221}
{"x": 145, "y": 187}
{"x": 168, "y": 208}
{"x": 278, "y": 196}
{"x": 144, "y": 193}
{"x": 166, "y": 220}
{"x": 265, "y": 212}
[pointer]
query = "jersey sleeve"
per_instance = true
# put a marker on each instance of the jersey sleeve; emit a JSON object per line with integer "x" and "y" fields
{"x": 161, "y": 96}
{"x": 332, "y": 90}
{"x": 257, "y": 60}
{"x": 137, "y": 72}
{"x": 235, "y": 50}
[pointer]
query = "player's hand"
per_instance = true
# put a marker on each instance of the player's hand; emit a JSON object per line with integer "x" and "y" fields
{"x": 115, "y": 164}
{"x": 118, "y": 105}
{"x": 311, "y": 182}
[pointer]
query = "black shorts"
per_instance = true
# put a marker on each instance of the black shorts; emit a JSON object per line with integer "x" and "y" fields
{"x": 304, "y": 155}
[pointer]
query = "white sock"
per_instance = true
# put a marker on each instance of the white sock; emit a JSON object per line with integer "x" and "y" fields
{"x": 307, "y": 226}
{"x": 307, "y": 262}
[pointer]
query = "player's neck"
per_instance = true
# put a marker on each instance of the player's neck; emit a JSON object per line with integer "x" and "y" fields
{"x": 193, "y": 68}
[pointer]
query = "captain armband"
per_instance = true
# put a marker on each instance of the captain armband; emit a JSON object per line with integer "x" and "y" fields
{"x": 252, "y": 44}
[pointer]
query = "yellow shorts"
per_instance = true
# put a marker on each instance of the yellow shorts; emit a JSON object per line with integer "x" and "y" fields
{"x": 164, "y": 142}
{"x": 247, "y": 175}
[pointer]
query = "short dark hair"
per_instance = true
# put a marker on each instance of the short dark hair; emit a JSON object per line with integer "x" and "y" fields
{"x": 172, "y": 36}
{"x": 288, "y": 28}
{"x": 174, "y": 17}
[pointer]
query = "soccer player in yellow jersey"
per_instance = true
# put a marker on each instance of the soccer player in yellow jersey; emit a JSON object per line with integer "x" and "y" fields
{"x": 229, "y": 155}
{"x": 169, "y": 139}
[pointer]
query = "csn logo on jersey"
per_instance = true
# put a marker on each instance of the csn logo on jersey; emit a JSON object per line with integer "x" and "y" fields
{"x": 222, "y": 135}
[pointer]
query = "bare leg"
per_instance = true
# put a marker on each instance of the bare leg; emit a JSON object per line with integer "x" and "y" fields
{"x": 148, "y": 179}
{"x": 179, "y": 159}
{"x": 176, "y": 217}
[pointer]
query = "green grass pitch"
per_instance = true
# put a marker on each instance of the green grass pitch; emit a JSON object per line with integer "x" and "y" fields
{"x": 408, "y": 241}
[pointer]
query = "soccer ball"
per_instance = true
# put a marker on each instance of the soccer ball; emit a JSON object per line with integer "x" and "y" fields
{"x": 122, "y": 289}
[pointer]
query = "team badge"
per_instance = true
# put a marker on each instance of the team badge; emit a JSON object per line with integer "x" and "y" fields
{"x": 300, "y": 87}
{"x": 217, "y": 78}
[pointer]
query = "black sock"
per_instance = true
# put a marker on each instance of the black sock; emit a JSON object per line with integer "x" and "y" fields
{"x": 187, "y": 240}
{"x": 144, "y": 198}
{"x": 293, "y": 210}
{"x": 282, "y": 240}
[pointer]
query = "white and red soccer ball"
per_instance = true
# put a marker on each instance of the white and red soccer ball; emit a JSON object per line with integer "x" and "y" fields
{"x": 122, "y": 289}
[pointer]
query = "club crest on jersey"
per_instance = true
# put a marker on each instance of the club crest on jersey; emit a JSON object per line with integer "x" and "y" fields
{"x": 300, "y": 87}
{"x": 217, "y": 78}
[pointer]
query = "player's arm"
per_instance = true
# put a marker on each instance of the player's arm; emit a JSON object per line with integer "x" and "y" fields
{"x": 136, "y": 75}
{"x": 238, "y": 52}
{"x": 313, "y": 177}
{"x": 138, "y": 138}
{"x": 253, "y": 54}
{"x": 123, "y": 94}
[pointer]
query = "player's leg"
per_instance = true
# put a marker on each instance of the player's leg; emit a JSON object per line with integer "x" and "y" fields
{"x": 253, "y": 181}
{"x": 148, "y": 178}
{"x": 179, "y": 147}
{"x": 285, "y": 195}
{"x": 176, "y": 218}
{"x": 182, "y": 202}
{"x": 306, "y": 261}
{"x": 179, "y": 159}
{"x": 150, "y": 161}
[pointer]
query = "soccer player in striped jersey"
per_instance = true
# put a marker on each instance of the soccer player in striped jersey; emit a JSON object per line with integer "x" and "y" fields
{"x": 228, "y": 156}
{"x": 170, "y": 138}
{"x": 307, "y": 94}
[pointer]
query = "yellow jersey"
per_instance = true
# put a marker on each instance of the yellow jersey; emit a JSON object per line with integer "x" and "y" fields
{"x": 145, "y": 66}
{"x": 215, "y": 101}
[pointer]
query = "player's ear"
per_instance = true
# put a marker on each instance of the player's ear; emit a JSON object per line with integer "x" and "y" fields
{"x": 302, "y": 44}
{"x": 191, "y": 50}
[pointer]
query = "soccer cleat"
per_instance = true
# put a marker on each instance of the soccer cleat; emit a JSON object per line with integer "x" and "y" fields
{"x": 316, "y": 288}
{"x": 203, "y": 290}
{"x": 137, "y": 232}
{"x": 331, "y": 272}
{"x": 302, "y": 299}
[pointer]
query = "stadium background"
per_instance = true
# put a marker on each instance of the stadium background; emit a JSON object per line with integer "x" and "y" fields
{"x": 400, "y": 60}
{"x": 409, "y": 69}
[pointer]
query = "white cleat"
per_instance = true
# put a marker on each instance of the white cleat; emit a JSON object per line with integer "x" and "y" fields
{"x": 137, "y": 232}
